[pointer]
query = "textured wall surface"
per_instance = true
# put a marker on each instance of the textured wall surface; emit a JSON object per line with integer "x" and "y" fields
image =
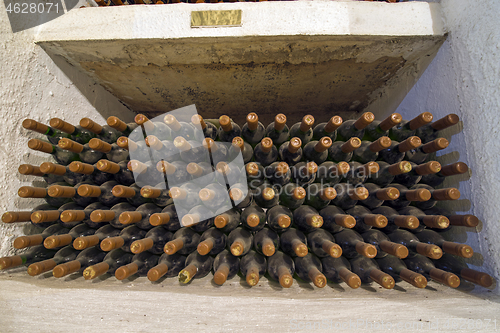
{"x": 464, "y": 78}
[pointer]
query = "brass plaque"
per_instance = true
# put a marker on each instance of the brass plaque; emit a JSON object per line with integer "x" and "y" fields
{"x": 216, "y": 18}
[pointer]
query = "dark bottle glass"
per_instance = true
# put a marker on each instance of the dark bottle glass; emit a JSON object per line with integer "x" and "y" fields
{"x": 95, "y": 175}
{"x": 192, "y": 151}
{"x": 252, "y": 267}
{"x": 105, "y": 133}
{"x": 368, "y": 151}
{"x": 187, "y": 195}
{"x": 303, "y": 130}
{"x": 387, "y": 172}
{"x": 355, "y": 128}
{"x": 406, "y": 196}
{"x": 420, "y": 154}
{"x": 67, "y": 253}
{"x": 158, "y": 195}
{"x": 119, "y": 170}
{"x": 317, "y": 151}
{"x": 278, "y": 173}
{"x": 432, "y": 237}
{"x": 411, "y": 241}
{"x": 348, "y": 195}
{"x": 292, "y": 196}
{"x": 255, "y": 174}
{"x": 466, "y": 220}
{"x": 294, "y": 243}
{"x": 396, "y": 268}
{"x": 281, "y": 268}
{"x": 113, "y": 152}
{"x": 154, "y": 241}
{"x": 377, "y": 129}
{"x": 395, "y": 221}
{"x": 201, "y": 173}
{"x": 159, "y": 150}
{"x": 335, "y": 219}
{"x": 208, "y": 129}
{"x": 265, "y": 152}
{"x": 225, "y": 267}
{"x": 239, "y": 241}
{"x": 420, "y": 264}
{"x": 253, "y": 218}
{"x": 58, "y": 191}
{"x": 112, "y": 261}
{"x": 319, "y": 196}
{"x": 309, "y": 269}
{"x": 227, "y": 173}
{"x": 384, "y": 245}
{"x": 167, "y": 218}
{"x": 407, "y": 128}
{"x": 352, "y": 244}
{"x": 112, "y": 215}
{"x": 48, "y": 216}
{"x": 212, "y": 242}
{"x": 265, "y": 196}
{"x": 304, "y": 173}
{"x": 168, "y": 266}
{"x": 22, "y": 242}
{"x": 365, "y": 220}
{"x": 156, "y": 128}
{"x": 33, "y": 170}
{"x": 368, "y": 271}
{"x": 61, "y": 156}
{"x": 396, "y": 152}
{"x": 429, "y": 221}
{"x": 252, "y": 131}
{"x": 322, "y": 244}
{"x": 197, "y": 266}
{"x": 185, "y": 241}
{"x": 266, "y": 242}
{"x": 413, "y": 177}
{"x": 106, "y": 231}
{"x": 179, "y": 128}
{"x": 436, "y": 179}
{"x": 149, "y": 173}
{"x": 291, "y": 151}
{"x": 228, "y": 130}
{"x": 132, "y": 193}
{"x": 199, "y": 218}
{"x": 429, "y": 132}
{"x": 441, "y": 194}
{"x": 279, "y": 218}
{"x": 103, "y": 193}
{"x": 328, "y": 129}
{"x": 85, "y": 258}
{"x": 379, "y": 195}
{"x": 278, "y": 131}
{"x": 121, "y": 126}
{"x": 78, "y": 133}
{"x": 457, "y": 266}
{"x": 341, "y": 151}
{"x": 53, "y": 134}
{"x": 360, "y": 173}
{"x": 330, "y": 173}
{"x": 57, "y": 241}
{"x": 338, "y": 270}
{"x": 240, "y": 146}
{"x": 140, "y": 216}
{"x": 141, "y": 264}
{"x": 214, "y": 196}
{"x": 85, "y": 153}
{"x": 307, "y": 219}
{"x": 64, "y": 172}
{"x": 40, "y": 192}
{"x": 34, "y": 254}
{"x": 127, "y": 236}
{"x": 228, "y": 220}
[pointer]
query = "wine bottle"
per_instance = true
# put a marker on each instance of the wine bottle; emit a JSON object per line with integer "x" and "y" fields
{"x": 85, "y": 153}
{"x": 368, "y": 151}
{"x": 160, "y": 150}
{"x": 281, "y": 268}
{"x": 407, "y": 128}
{"x": 352, "y": 244}
{"x": 335, "y": 219}
{"x": 466, "y": 220}
{"x": 303, "y": 130}
{"x": 441, "y": 194}
{"x": 105, "y": 133}
{"x": 317, "y": 151}
{"x": 214, "y": 196}
{"x": 61, "y": 156}
{"x": 53, "y": 134}
{"x": 307, "y": 219}
{"x": 409, "y": 240}
{"x": 154, "y": 241}
{"x": 304, "y": 173}
{"x": 22, "y": 242}
{"x": 34, "y": 254}
{"x": 113, "y": 152}
{"x": 396, "y": 152}
{"x": 239, "y": 241}
{"x": 432, "y": 237}
{"x": 78, "y": 133}
{"x": 377, "y": 129}
{"x": 112, "y": 215}
{"x": 85, "y": 258}
{"x": 208, "y": 129}
{"x": 338, "y": 270}
{"x": 140, "y": 216}
{"x": 383, "y": 244}
{"x": 266, "y": 242}
{"x": 219, "y": 151}
{"x": 191, "y": 151}
{"x": 368, "y": 271}
{"x": 395, "y": 221}
{"x": 127, "y": 236}
{"x": 225, "y": 266}
{"x": 294, "y": 243}
{"x": 103, "y": 193}
{"x": 187, "y": 195}
{"x": 379, "y": 195}
{"x": 159, "y": 195}
{"x": 454, "y": 265}
{"x": 252, "y": 267}
{"x": 360, "y": 173}
{"x": 212, "y": 242}
{"x": 197, "y": 266}
{"x": 227, "y": 173}
{"x": 69, "y": 192}
{"x": 292, "y": 196}
{"x": 429, "y": 132}
{"x": 341, "y": 151}
{"x": 168, "y": 266}
{"x": 322, "y": 244}
{"x": 348, "y": 195}
{"x": 278, "y": 173}
{"x": 199, "y": 218}
{"x": 156, "y": 128}
{"x": 253, "y": 218}
{"x": 44, "y": 217}
{"x": 228, "y": 220}
{"x": 141, "y": 264}
{"x": 33, "y": 170}
{"x": 319, "y": 196}
{"x": 279, "y": 218}
{"x": 396, "y": 268}
{"x": 111, "y": 262}
{"x": 328, "y": 129}
{"x": 291, "y": 151}
{"x": 387, "y": 172}
{"x": 420, "y": 264}
{"x": 94, "y": 175}
{"x": 240, "y": 195}
{"x": 309, "y": 269}
{"x": 265, "y": 196}
{"x": 265, "y": 152}
{"x": 120, "y": 171}
{"x": 436, "y": 179}
{"x": 330, "y": 173}
{"x": 140, "y": 149}
{"x": 64, "y": 172}
{"x": 429, "y": 221}
{"x": 201, "y": 173}
{"x": 119, "y": 125}
{"x": 255, "y": 174}
{"x": 228, "y": 130}
{"x": 71, "y": 217}
{"x": 25, "y": 216}
{"x": 168, "y": 218}
{"x": 278, "y": 131}
{"x": 365, "y": 220}
{"x": 57, "y": 241}
{"x": 407, "y": 196}
{"x": 420, "y": 154}
{"x": 413, "y": 177}
{"x": 179, "y": 128}
{"x": 184, "y": 241}
{"x": 355, "y": 128}
{"x": 132, "y": 193}
{"x": 149, "y": 173}
{"x": 239, "y": 146}
{"x": 106, "y": 231}
{"x": 65, "y": 254}
{"x": 253, "y": 130}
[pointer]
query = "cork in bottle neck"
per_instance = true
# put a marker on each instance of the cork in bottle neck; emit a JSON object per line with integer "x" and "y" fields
{"x": 454, "y": 169}
{"x": 391, "y": 121}
{"x": 198, "y": 120}
{"x": 294, "y": 145}
{"x": 279, "y": 122}
{"x": 116, "y": 123}
{"x": 366, "y": 119}
{"x": 62, "y": 125}
{"x": 252, "y": 121}
{"x": 380, "y": 144}
{"x": 52, "y": 168}
{"x": 411, "y": 143}
{"x": 91, "y": 125}
{"x": 445, "y": 122}
{"x": 226, "y": 123}
{"x": 108, "y": 166}
{"x": 333, "y": 124}
{"x": 172, "y": 122}
{"x": 100, "y": 145}
{"x": 70, "y": 145}
{"x": 421, "y": 120}
{"x": 34, "y": 125}
{"x": 306, "y": 123}
{"x": 323, "y": 144}
{"x": 266, "y": 144}
{"x": 252, "y": 169}
{"x": 435, "y": 145}
{"x": 80, "y": 167}
{"x": 428, "y": 168}
{"x": 28, "y": 169}
{"x": 350, "y": 145}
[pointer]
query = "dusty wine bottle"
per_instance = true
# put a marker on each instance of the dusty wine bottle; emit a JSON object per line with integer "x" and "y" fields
{"x": 379, "y": 195}
{"x": 365, "y": 220}
{"x": 420, "y": 264}
{"x": 53, "y": 134}
{"x": 265, "y": 196}
{"x": 265, "y": 152}
{"x": 212, "y": 242}
{"x": 208, "y": 129}
{"x": 338, "y": 270}
{"x": 436, "y": 179}
{"x": 307, "y": 219}
{"x": 396, "y": 268}
{"x": 111, "y": 215}
{"x": 319, "y": 196}
{"x": 407, "y": 128}
{"x": 120, "y": 171}
{"x": 407, "y": 196}
{"x": 239, "y": 241}
{"x": 85, "y": 153}
{"x": 113, "y": 152}
{"x": 33, "y": 170}
{"x": 330, "y": 173}
{"x": 429, "y": 132}
{"x": 281, "y": 268}
{"x": 304, "y": 173}
{"x": 455, "y": 265}
{"x": 429, "y": 221}
{"x": 106, "y": 231}
{"x": 255, "y": 174}
{"x": 127, "y": 236}
{"x": 409, "y": 240}
{"x": 34, "y": 254}
{"x": 240, "y": 146}
{"x": 71, "y": 217}
{"x": 184, "y": 241}
{"x": 95, "y": 175}
{"x": 119, "y": 125}
{"x": 78, "y": 133}
{"x": 25, "y": 216}
{"x": 67, "y": 253}
{"x": 103, "y": 193}
{"x": 59, "y": 191}
{"x": 352, "y": 244}
{"x": 360, "y": 173}
{"x": 85, "y": 258}
{"x": 387, "y": 172}
{"x": 168, "y": 266}
{"x": 292, "y": 196}
{"x": 368, "y": 271}
{"x": 219, "y": 151}
{"x": 40, "y": 192}
{"x": 291, "y": 151}
{"x": 420, "y": 154}
{"x": 303, "y": 130}
{"x": 377, "y": 129}
{"x": 384, "y": 245}
{"x": 355, "y": 128}
{"x": 132, "y": 193}
{"x": 158, "y": 195}
{"x": 197, "y": 266}
{"x": 395, "y": 221}
{"x": 105, "y": 133}
{"x": 225, "y": 267}
{"x": 253, "y": 130}
{"x": 153, "y": 242}
{"x": 179, "y": 128}
{"x": 328, "y": 129}
{"x": 228, "y": 220}
{"x": 168, "y": 218}
{"x": 396, "y": 151}
{"x": 187, "y": 195}
{"x": 22, "y": 242}
{"x": 466, "y": 220}
{"x": 335, "y": 219}
{"x": 63, "y": 172}
{"x": 341, "y": 151}
{"x": 57, "y": 241}
{"x": 413, "y": 177}
{"x": 61, "y": 156}
{"x": 253, "y": 218}
{"x": 156, "y": 128}
{"x": 294, "y": 243}
{"x": 432, "y": 237}
{"x": 141, "y": 264}
{"x": 368, "y": 151}
{"x": 49, "y": 216}
{"x": 309, "y": 269}
{"x": 111, "y": 262}
{"x": 279, "y": 218}
{"x": 322, "y": 244}
{"x": 252, "y": 267}
{"x": 228, "y": 173}
{"x": 266, "y": 242}
{"x": 228, "y": 130}
{"x": 214, "y": 196}
{"x": 199, "y": 218}
{"x": 441, "y": 194}
{"x": 278, "y": 173}
{"x": 348, "y": 195}
{"x": 140, "y": 216}
{"x": 317, "y": 151}
{"x": 278, "y": 131}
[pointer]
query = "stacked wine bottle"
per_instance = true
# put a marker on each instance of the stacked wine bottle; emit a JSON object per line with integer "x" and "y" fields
{"x": 342, "y": 201}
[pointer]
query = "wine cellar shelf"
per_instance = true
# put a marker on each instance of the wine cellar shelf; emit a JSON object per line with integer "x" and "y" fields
{"x": 298, "y": 57}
